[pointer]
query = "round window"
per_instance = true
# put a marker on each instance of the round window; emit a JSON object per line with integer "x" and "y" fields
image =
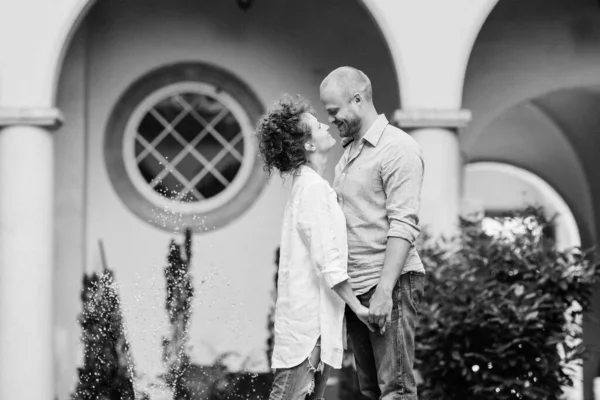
{"x": 180, "y": 150}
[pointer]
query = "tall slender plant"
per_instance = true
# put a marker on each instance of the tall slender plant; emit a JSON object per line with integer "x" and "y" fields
{"x": 180, "y": 293}
{"x": 107, "y": 372}
{"x": 271, "y": 316}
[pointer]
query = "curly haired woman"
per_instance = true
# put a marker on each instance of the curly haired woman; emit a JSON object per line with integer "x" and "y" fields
{"x": 309, "y": 315}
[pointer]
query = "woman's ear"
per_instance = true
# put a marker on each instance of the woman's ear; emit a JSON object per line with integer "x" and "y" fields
{"x": 309, "y": 146}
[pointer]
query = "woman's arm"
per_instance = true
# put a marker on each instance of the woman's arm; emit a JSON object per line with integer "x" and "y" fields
{"x": 344, "y": 290}
{"x": 315, "y": 223}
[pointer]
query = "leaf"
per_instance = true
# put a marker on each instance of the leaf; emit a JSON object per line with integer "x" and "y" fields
{"x": 532, "y": 315}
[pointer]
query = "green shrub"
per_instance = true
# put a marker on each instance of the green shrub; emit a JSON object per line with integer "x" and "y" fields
{"x": 495, "y": 315}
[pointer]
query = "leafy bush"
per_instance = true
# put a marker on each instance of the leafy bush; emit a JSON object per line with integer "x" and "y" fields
{"x": 495, "y": 318}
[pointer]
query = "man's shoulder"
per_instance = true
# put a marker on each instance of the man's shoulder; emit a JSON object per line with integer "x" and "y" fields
{"x": 399, "y": 140}
{"x": 394, "y": 133}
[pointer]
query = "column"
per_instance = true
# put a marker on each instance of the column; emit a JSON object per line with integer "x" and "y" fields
{"x": 437, "y": 133}
{"x": 26, "y": 246}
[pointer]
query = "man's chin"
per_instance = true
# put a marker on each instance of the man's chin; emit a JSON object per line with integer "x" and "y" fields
{"x": 345, "y": 141}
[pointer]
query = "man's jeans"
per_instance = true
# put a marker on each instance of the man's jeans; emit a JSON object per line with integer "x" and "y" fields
{"x": 305, "y": 381}
{"x": 384, "y": 362}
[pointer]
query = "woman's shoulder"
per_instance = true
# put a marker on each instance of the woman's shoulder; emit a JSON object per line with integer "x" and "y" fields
{"x": 311, "y": 188}
{"x": 317, "y": 185}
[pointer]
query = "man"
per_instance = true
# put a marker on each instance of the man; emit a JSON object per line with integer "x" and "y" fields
{"x": 378, "y": 181}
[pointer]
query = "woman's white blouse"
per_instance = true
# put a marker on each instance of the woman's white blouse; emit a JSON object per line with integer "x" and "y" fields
{"x": 313, "y": 259}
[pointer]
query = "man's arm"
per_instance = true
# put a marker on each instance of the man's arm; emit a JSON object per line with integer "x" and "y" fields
{"x": 402, "y": 175}
{"x": 380, "y": 308}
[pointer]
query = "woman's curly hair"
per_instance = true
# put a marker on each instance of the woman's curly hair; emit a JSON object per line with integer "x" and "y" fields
{"x": 281, "y": 134}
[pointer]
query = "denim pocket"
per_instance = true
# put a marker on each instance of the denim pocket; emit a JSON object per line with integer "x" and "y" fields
{"x": 417, "y": 287}
{"x": 397, "y": 297}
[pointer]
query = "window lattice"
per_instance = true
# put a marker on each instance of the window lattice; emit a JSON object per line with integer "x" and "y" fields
{"x": 189, "y": 147}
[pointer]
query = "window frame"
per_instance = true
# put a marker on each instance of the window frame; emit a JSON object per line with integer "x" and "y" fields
{"x": 124, "y": 173}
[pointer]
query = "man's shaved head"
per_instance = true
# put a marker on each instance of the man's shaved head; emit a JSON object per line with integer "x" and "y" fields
{"x": 347, "y": 97}
{"x": 348, "y": 81}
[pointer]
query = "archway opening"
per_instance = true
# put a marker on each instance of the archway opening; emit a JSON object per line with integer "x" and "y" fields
{"x": 498, "y": 188}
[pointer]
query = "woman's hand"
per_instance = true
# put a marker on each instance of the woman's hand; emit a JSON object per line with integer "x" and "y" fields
{"x": 362, "y": 313}
{"x": 344, "y": 290}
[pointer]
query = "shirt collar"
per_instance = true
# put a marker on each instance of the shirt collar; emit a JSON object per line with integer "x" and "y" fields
{"x": 376, "y": 130}
{"x": 373, "y": 134}
{"x": 305, "y": 170}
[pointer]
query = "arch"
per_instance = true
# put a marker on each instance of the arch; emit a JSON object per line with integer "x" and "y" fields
{"x": 472, "y": 37}
{"x": 549, "y": 135}
{"x": 95, "y": 97}
{"x": 70, "y": 28}
{"x": 520, "y": 54}
{"x": 385, "y": 30}
{"x": 541, "y": 192}
{"x": 78, "y": 14}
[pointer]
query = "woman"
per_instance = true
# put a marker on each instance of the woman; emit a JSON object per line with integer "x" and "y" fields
{"x": 313, "y": 256}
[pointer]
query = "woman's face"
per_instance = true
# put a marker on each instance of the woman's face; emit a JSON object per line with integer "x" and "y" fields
{"x": 320, "y": 137}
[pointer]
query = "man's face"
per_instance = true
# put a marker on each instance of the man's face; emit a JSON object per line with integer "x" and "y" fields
{"x": 342, "y": 111}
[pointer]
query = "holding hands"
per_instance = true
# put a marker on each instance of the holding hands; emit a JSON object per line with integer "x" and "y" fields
{"x": 363, "y": 314}
{"x": 380, "y": 310}
{"x": 378, "y": 315}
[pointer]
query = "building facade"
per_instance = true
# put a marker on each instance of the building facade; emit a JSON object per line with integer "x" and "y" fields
{"x": 124, "y": 121}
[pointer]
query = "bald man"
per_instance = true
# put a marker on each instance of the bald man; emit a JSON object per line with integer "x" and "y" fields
{"x": 378, "y": 181}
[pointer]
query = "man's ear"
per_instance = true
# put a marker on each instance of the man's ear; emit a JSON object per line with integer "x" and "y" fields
{"x": 309, "y": 146}
{"x": 356, "y": 98}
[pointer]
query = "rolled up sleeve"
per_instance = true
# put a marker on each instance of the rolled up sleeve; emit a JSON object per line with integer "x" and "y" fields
{"x": 402, "y": 175}
{"x": 315, "y": 223}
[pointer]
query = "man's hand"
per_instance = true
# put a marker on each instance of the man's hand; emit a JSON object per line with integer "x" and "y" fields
{"x": 363, "y": 314}
{"x": 380, "y": 309}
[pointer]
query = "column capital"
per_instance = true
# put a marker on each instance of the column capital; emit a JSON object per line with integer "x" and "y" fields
{"x": 431, "y": 118}
{"x": 50, "y": 118}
